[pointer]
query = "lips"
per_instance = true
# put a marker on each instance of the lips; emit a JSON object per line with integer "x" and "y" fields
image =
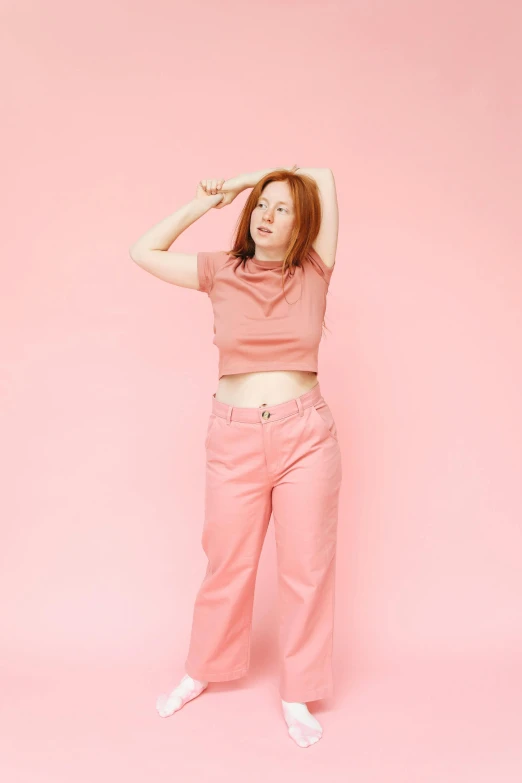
{"x": 264, "y": 230}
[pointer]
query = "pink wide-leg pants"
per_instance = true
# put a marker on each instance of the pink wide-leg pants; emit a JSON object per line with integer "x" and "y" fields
{"x": 283, "y": 460}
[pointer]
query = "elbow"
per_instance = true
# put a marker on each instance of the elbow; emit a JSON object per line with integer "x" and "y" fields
{"x": 134, "y": 253}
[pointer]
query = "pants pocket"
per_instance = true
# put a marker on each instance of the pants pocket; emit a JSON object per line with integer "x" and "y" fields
{"x": 323, "y": 415}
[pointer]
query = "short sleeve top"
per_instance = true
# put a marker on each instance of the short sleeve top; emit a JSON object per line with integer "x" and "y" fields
{"x": 257, "y": 325}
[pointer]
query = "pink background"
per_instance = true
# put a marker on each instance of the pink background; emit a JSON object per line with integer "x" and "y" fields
{"x": 112, "y": 113}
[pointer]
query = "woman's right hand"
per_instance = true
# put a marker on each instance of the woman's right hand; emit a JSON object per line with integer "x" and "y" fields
{"x": 212, "y": 188}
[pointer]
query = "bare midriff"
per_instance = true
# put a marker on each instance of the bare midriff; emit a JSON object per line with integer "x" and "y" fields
{"x": 255, "y": 389}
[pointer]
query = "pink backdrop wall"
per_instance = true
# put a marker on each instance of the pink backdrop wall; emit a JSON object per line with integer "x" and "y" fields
{"x": 113, "y": 113}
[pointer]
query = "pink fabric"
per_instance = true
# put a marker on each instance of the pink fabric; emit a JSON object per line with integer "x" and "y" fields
{"x": 283, "y": 459}
{"x": 257, "y": 326}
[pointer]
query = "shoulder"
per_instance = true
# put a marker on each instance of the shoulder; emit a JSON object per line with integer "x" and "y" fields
{"x": 209, "y": 262}
{"x": 315, "y": 260}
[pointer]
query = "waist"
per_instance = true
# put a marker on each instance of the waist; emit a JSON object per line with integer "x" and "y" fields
{"x": 263, "y": 413}
{"x": 271, "y": 387}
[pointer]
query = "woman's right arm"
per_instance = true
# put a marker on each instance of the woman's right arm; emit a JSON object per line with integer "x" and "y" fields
{"x": 151, "y": 252}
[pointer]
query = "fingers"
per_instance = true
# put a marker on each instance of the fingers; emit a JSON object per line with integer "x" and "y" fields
{"x": 211, "y": 186}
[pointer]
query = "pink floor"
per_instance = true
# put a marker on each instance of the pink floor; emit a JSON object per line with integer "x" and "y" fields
{"x": 439, "y": 721}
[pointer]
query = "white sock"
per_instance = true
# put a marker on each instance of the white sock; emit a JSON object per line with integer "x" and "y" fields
{"x": 303, "y": 727}
{"x": 187, "y": 690}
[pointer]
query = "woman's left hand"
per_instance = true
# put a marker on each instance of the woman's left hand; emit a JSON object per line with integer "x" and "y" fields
{"x": 227, "y": 187}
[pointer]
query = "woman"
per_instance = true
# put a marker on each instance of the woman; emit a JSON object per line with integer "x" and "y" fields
{"x": 271, "y": 443}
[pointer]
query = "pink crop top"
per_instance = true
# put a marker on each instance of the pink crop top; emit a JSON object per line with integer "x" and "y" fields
{"x": 254, "y": 327}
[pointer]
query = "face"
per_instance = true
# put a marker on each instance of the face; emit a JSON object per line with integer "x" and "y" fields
{"x": 274, "y": 212}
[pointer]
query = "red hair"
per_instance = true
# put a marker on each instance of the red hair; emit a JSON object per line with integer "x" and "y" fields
{"x": 308, "y": 214}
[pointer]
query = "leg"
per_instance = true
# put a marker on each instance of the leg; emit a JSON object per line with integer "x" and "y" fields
{"x": 305, "y": 508}
{"x": 237, "y": 512}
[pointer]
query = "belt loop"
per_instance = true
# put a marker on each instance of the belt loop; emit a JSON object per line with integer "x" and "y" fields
{"x": 299, "y": 405}
{"x": 229, "y": 414}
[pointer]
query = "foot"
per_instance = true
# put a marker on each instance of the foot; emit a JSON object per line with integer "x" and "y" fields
{"x": 187, "y": 690}
{"x": 304, "y": 729}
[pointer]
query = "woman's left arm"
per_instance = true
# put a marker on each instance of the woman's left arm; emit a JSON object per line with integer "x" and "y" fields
{"x": 325, "y": 243}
